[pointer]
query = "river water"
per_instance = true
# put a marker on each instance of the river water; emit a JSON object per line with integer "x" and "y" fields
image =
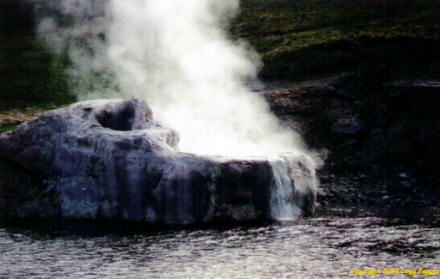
{"x": 324, "y": 247}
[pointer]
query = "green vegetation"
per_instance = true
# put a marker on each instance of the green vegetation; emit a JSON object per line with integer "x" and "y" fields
{"x": 30, "y": 75}
{"x": 302, "y": 39}
{"x": 7, "y": 128}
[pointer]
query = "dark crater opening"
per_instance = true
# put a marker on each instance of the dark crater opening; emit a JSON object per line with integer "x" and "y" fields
{"x": 120, "y": 119}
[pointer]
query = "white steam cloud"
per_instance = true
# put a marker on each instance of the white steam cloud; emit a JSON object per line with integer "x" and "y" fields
{"x": 177, "y": 55}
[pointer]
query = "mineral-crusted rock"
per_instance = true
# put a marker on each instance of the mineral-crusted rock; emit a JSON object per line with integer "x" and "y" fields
{"x": 111, "y": 160}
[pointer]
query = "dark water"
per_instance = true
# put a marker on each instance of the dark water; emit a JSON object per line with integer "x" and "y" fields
{"x": 312, "y": 248}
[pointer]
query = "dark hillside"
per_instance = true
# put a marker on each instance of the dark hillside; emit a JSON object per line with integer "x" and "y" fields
{"x": 300, "y": 40}
{"x": 29, "y": 74}
{"x": 16, "y": 16}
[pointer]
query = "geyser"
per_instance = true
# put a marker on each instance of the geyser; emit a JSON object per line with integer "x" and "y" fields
{"x": 179, "y": 57}
{"x": 75, "y": 163}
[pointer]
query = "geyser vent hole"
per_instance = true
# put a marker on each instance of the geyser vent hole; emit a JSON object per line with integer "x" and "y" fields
{"x": 120, "y": 119}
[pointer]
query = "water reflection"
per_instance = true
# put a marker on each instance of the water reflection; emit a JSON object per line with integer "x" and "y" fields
{"x": 310, "y": 248}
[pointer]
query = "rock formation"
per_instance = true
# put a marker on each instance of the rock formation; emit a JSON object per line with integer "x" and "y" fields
{"x": 109, "y": 159}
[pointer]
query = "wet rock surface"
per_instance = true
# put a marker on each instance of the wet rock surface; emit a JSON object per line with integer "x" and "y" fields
{"x": 347, "y": 126}
{"x": 112, "y": 160}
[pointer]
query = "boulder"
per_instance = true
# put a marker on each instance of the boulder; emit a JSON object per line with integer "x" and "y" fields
{"x": 348, "y": 126}
{"x": 110, "y": 159}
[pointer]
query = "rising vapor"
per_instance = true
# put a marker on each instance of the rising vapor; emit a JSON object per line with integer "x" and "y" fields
{"x": 178, "y": 56}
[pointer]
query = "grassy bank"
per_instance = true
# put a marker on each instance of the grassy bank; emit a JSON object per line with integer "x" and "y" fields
{"x": 302, "y": 39}
{"x": 29, "y": 74}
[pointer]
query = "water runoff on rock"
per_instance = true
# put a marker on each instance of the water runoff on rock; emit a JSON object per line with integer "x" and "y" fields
{"x": 282, "y": 206}
{"x": 179, "y": 56}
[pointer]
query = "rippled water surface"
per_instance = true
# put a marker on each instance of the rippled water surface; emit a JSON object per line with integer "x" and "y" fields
{"x": 310, "y": 248}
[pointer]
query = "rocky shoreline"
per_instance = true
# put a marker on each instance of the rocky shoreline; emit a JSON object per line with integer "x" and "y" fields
{"x": 374, "y": 137}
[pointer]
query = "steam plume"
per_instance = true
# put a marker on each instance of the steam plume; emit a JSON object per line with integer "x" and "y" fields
{"x": 178, "y": 56}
